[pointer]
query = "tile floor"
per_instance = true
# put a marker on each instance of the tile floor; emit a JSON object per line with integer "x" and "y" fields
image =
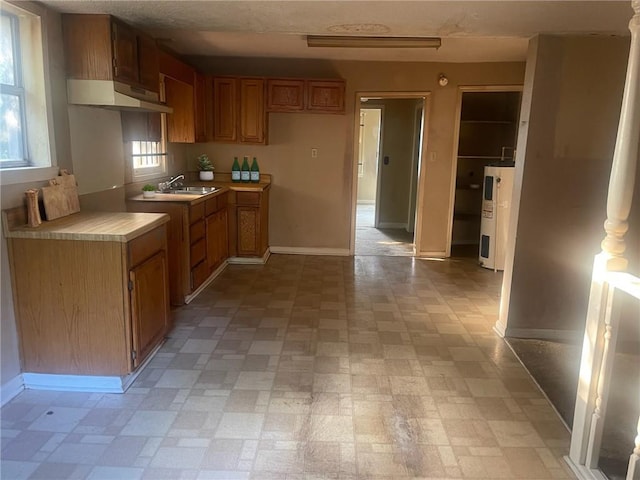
{"x": 380, "y": 241}
{"x": 310, "y": 368}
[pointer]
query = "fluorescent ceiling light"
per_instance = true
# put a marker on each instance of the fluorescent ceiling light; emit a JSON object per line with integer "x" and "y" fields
{"x": 372, "y": 42}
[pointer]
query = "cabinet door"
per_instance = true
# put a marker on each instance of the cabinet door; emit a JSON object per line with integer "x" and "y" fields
{"x": 252, "y": 111}
{"x": 285, "y": 95}
{"x": 180, "y": 123}
{"x": 217, "y": 243}
{"x": 248, "y": 230}
{"x": 202, "y": 108}
{"x": 149, "y": 305}
{"x": 325, "y": 96}
{"x": 125, "y": 53}
{"x": 224, "y": 109}
{"x": 148, "y": 63}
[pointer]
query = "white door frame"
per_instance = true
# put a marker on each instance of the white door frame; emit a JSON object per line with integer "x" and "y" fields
{"x": 416, "y": 161}
{"x": 456, "y": 139}
{"x": 376, "y": 200}
{"x": 426, "y": 96}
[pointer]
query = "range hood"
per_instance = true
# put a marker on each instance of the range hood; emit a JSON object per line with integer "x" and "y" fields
{"x": 114, "y": 95}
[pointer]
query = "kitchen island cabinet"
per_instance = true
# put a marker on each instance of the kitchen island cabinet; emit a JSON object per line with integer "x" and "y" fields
{"x": 198, "y": 229}
{"x": 91, "y": 296}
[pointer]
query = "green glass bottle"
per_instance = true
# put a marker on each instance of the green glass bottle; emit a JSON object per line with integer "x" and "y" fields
{"x": 245, "y": 172}
{"x": 255, "y": 171}
{"x": 235, "y": 170}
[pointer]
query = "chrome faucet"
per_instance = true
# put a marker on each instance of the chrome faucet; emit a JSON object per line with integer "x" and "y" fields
{"x": 167, "y": 185}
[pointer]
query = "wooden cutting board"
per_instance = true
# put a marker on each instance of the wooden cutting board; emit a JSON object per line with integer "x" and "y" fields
{"x": 60, "y": 198}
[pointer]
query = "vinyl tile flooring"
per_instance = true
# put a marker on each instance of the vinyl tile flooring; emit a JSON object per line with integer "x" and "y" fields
{"x": 310, "y": 368}
{"x": 380, "y": 241}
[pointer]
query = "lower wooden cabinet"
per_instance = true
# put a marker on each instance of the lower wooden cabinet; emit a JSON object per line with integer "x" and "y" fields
{"x": 90, "y": 307}
{"x": 249, "y": 227}
{"x": 149, "y": 285}
{"x": 197, "y": 240}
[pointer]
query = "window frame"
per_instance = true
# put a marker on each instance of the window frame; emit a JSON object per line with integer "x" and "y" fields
{"x": 17, "y": 90}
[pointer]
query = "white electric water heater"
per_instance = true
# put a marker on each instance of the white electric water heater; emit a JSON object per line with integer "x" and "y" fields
{"x": 496, "y": 208}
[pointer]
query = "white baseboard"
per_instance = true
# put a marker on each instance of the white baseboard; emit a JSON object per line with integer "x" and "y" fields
{"x": 74, "y": 383}
{"x": 85, "y": 383}
{"x": 366, "y": 202}
{"x": 10, "y": 389}
{"x": 391, "y": 225}
{"x": 543, "y": 334}
{"x": 250, "y": 260}
{"x": 338, "y": 252}
{"x": 434, "y": 254}
{"x": 204, "y": 284}
{"x": 499, "y": 328}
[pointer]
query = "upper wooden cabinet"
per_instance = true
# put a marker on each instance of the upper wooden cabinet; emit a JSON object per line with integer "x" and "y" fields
{"x": 239, "y": 113}
{"x": 224, "y": 109}
{"x": 179, "y": 80}
{"x": 203, "y": 113}
{"x": 180, "y": 123}
{"x": 285, "y": 95}
{"x": 101, "y": 47}
{"x": 252, "y": 114}
{"x": 325, "y": 96}
{"x": 298, "y": 95}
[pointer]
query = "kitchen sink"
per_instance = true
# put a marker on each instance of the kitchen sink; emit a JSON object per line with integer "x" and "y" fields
{"x": 191, "y": 190}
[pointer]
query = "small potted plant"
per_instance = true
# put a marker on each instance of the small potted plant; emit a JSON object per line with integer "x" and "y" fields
{"x": 206, "y": 167}
{"x": 149, "y": 191}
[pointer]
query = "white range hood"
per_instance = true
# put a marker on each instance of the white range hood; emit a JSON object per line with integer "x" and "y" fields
{"x": 114, "y": 95}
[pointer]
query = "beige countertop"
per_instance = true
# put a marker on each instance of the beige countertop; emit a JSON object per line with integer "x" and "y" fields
{"x": 195, "y": 199}
{"x": 93, "y": 226}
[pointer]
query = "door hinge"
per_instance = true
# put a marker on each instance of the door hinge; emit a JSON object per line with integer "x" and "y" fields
{"x": 134, "y": 355}
{"x": 130, "y": 285}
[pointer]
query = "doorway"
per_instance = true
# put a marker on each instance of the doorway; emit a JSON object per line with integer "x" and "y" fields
{"x": 387, "y": 165}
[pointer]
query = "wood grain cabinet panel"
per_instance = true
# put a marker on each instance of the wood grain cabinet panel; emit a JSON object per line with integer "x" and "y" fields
{"x": 224, "y": 109}
{"x": 248, "y": 230}
{"x": 148, "y": 63}
{"x": 325, "y": 96}
{"x": 149, "y": 305}
{"x": 203, "y": 108}
{"x": 252, "y": 111}
{"x": 96, "y": 308}
{"x": 125, "y": 53}
{"x": 285, "y": 95}
{"x": 197, "y": 241}
{"x": 180, "y": 123}
{"x": 101, "y": 47}
{"x": 249, "y": 223}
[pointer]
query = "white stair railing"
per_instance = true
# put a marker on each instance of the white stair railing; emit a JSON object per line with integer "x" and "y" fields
{"x": 608, "y": 277}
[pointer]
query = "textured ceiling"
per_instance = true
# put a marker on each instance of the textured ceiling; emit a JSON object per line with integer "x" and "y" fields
{"x": 470, "y": 30}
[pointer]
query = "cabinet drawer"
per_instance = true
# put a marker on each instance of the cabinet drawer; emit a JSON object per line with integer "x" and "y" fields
{"x": 199, "y": 274}
{"x": 198, "y": 252}
{"x": 196, "y": 212}
{"x": 210, "y": 206}
{"x": 146, "y": 245}
{"x": 196, "y": 231}
{"x": 248, "y": 198}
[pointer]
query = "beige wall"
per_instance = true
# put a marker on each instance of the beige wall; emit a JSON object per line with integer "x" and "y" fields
{"x": 576, "y": 93}
{"x": 369, "y": 143}
{"x": 326, "y": 209}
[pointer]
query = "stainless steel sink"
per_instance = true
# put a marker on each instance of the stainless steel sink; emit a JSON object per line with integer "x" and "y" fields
{"x": 191, "y": 190}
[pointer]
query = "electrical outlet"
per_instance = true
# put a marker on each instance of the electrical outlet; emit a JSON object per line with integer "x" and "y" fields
{"x": 314, "y": 153}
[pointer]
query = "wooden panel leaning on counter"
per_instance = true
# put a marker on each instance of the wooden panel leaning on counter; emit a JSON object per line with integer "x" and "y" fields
{"x": 90, "y": 294}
